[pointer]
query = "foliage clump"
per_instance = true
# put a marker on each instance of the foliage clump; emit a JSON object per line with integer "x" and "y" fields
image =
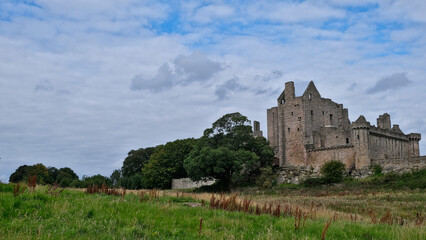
{"x": 229, "y": 153}
{"x": 333, "y": 171}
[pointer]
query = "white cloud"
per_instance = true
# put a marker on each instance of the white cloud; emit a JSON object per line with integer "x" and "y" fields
{"x": 293, "y": 12}
{"x": 394, "y": 81}
{"x": 228, "y": 88}
{"x": 212, "y": 12}
{"x": 195, "y": 67}
{"x": 163, "y": 80}
{"x": 413, "y": 10}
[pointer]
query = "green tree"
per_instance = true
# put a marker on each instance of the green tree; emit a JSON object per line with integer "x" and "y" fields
{"x": 65, "y": 176}
{"x": 40, "y": 171}
{"x": 135, "y": 161}
{"x": 53, "y": 174}
{"x": 229, "y": 153}
{"x": 115, "y": 177}
{"x": 97, "y": 180}
{"x": 221, "y": 163}
{"x": 166, "y": 163}
{"x": 333, "y": 171}
{"x": 133, "y": 182}
{"x": 20, "y": 174}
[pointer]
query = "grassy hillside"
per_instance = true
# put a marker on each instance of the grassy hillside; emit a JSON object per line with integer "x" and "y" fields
{"x": 41, "y": 213}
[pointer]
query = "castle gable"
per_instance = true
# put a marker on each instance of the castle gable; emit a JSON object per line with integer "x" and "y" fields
{"x": 311, "y": 91}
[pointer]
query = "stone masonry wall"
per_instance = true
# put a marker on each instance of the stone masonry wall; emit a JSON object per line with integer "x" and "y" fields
{"x": 400, "y": 165}
{"x": 186, "y": 183}
{"x": 344, "y": 154}
{"x": 297, "y": 174}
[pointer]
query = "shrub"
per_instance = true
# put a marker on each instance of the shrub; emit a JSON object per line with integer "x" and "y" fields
{"x": 377, "y": 170}
{"x": 333, "y": 171}
{"x": 267, "y": 178}
{"x": 314, "y": 182}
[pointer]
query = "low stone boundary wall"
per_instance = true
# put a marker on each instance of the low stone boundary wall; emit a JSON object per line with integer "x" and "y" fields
{"x": 400, "y": 165}
{"x": 185, "y": 183}
{"x": 297, "y": 174}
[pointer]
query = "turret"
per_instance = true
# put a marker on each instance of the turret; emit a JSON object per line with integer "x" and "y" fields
{"x": 414, "y": 139}
{"x": 360, "y": 138}
{"x": 384, "y": 121}
{"x": 256, "y": 129}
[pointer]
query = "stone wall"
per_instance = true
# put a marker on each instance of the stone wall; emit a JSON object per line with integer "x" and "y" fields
{"x": 297, "y": 174}
{"x": 400, "y": 165}
{"x": 185, "y": 183}
{"x": 345, "y": 154}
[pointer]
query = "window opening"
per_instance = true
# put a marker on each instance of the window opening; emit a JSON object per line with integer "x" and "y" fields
{"x": 347, "y": 140}
{"x": 288, "y": 129}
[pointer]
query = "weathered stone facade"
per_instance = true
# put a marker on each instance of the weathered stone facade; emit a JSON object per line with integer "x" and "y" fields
{"x": 310, "y": 130}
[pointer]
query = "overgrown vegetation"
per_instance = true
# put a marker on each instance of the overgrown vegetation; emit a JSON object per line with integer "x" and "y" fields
{"x": 332, "y": 172}
{"x": 168, "y": 215}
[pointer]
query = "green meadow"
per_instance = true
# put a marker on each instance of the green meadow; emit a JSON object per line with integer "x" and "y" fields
{"x": 41, "y": 213}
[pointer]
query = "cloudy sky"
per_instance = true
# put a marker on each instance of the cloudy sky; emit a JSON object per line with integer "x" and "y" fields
{"x": 84, "y": 82}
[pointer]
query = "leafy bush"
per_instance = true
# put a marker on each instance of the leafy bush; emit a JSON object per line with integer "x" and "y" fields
{"x": 333, "y": 171}
{"x": 314, "y": 182}
{"x": 377, "y": 170}
{"x": 267, "y": 178}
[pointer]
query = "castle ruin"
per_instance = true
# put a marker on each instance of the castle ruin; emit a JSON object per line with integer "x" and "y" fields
{"x": 310, "y": 130}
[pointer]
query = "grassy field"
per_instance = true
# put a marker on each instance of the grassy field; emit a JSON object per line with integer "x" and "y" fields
{"x": 42, "y": 214}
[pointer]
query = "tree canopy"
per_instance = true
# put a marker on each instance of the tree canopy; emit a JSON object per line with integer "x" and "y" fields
{"x": 229, "y": 153}
{"x": 166, "y": 163}
{"x": 135, "y": 161}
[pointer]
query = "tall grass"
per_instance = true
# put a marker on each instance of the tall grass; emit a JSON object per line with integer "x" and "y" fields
{"x": 74, "y": 214}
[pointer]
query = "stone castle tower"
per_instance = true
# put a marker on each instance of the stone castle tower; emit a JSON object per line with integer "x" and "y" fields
{"x": 310, "y": 130}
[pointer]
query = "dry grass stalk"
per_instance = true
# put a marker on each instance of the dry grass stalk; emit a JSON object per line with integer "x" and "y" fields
{"x": 387, "y": 218}
{"x": 324, "y": 231}
{"x": 419, "y": 219}
{"x": 153, "y": 194}
{"x": 372, "y": 215}
{"x": 304, "y": 219}
{"x": 399, "y": 221}
{"x": 53, "y": 190}
{"x": 32, "y": 182}
{"x": 123, "y": 193}
{"x": 201, "y": 227}
{"x": 297, "y": 218}
{"x": 142, "y": 193}
{"x": 257, "y": 209}
{"x": 246, "y": 205}
{"x": 18, "y": 189}
{"x": 277, "y": 211}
